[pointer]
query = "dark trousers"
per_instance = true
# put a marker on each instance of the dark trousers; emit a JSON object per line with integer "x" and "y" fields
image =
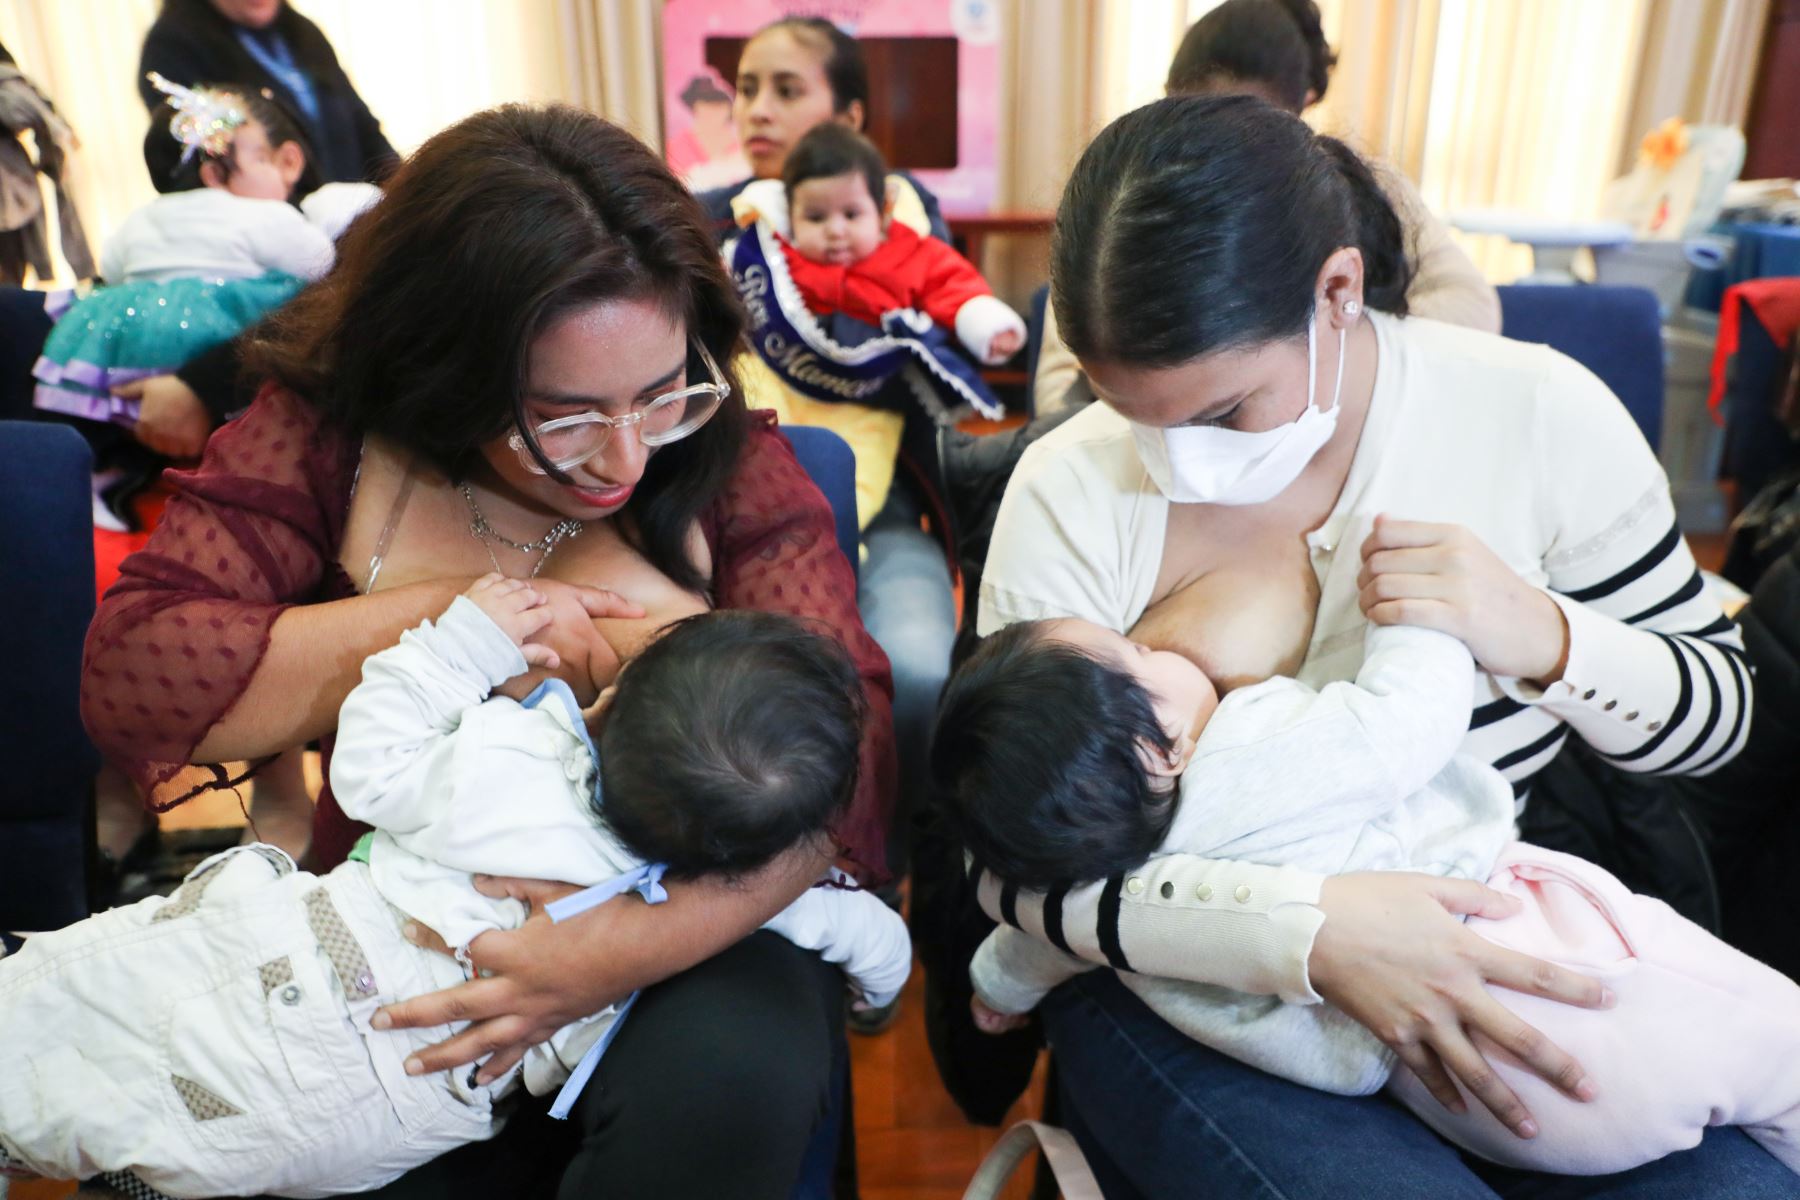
{"x": 714, "y": 1087}
{"x": 1161, "y": 1116}
{"x": 23, "y": 327}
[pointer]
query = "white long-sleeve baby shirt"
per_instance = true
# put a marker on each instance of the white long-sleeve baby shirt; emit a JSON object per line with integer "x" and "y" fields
{"x": 458, "y": 784}
{"x": 210, "y": 233}
{"x": 1354, "y": 776}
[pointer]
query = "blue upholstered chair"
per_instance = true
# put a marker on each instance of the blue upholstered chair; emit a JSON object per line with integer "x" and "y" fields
{"x": 1615, "y": 332}
{"x": 46, "y": 544}
{"x": 827, "y": 458}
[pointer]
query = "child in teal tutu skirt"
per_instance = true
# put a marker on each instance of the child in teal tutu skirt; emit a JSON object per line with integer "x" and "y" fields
{"x": 193, "y": 268}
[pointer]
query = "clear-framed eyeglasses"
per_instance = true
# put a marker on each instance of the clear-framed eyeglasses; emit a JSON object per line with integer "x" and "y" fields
{"x": 570, "y": 441}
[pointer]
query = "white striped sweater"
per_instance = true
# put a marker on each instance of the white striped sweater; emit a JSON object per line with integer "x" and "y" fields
{"x": 1521, "y": 445}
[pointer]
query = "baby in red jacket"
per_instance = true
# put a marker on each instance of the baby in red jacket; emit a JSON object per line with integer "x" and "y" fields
{"x": 848, "y": 255}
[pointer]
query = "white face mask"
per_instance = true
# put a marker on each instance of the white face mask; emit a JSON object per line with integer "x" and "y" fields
{"x": 1204, "y": 464}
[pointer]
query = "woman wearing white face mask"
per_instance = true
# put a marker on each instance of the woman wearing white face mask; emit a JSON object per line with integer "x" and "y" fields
{"x": 1235, "y": 288}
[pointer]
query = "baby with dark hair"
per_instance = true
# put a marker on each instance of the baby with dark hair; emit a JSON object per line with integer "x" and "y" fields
{"x": 728, "y": 741}
{"x": 1066, "y": 753}
{"x": 846, "y": 253}
{"x": 1059, "y": 748}
{"x": 847, "y": 288}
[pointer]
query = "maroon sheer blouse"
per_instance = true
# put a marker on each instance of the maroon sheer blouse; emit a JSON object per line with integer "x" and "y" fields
{"x": 256, "y": 529}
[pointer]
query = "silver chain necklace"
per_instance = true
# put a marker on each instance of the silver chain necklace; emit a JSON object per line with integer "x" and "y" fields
{"x": 486, "y": 534}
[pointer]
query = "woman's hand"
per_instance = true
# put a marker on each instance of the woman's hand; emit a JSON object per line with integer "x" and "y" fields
{"x": 541, "y": 976}
{"x": 580, "y": 654}
{"x": 526, "y": 990}
{"x": 171, "y": 419}
{"x": 1443, "y": 577}
{"x": 1392, "y": 955}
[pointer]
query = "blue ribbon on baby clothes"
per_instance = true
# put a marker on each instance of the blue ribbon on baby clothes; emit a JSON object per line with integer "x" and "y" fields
{"x": 795, "y": 345}
{"x": 646, "y": 881}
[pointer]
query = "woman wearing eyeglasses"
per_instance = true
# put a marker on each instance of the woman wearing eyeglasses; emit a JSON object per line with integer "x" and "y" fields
{"x": 516, "y": 366}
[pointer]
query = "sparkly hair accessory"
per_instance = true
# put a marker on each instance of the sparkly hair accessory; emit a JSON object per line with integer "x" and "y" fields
{"x": 205, "y": 120}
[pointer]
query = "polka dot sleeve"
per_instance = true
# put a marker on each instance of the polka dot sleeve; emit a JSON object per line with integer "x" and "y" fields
{"x": 252, "y": 530}
{"x": 775, "y": 548}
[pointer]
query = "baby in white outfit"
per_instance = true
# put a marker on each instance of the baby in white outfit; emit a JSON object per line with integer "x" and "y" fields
{"x": 1068, "y": 753}
{"x": 218, "y": 1041}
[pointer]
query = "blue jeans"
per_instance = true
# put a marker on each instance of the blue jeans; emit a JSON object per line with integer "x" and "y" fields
{"x": 1163, "y": 1116}
{"x": 909, "y": 607}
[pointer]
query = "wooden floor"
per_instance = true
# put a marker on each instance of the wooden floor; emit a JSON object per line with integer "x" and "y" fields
{"x": 911, "y": 1141}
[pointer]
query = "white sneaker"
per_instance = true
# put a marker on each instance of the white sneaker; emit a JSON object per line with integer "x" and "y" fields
{"x": 104, "y": 517}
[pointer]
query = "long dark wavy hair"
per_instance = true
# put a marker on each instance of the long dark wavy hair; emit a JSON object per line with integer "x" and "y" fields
{"x": 494, "y": 230}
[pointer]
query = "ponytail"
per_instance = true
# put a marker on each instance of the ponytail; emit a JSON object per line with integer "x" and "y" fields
{"x": 1275, "y": 48}
{"x": 1200, "y": 223}
{"x": 1387, "y": 258}
{"x": 1320, "y": 58}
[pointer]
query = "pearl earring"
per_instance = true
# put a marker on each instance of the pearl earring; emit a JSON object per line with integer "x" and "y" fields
{"x": 1352, "y": 307}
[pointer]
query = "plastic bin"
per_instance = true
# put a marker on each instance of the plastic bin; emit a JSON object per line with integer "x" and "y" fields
{"x": 1692, "y": 442}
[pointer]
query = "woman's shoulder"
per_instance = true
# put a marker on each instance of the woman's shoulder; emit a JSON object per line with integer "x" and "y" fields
{"x": 915, "y": 205}
{"x": 285, "y": 440}
{"x": 1484, "y": 382}
{"x": 926, "y": 195}
{"x": 1487, "y": 366}
{"x": 188, "y": 42}
{"x": 171, "y": 27}
{"x": 1093, "y": 446}
{"x": 768, "y": 484}
{"x": 1083, "y": 477}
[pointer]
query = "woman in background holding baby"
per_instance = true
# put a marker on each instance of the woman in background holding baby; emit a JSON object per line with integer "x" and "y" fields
{"x": 795, "y": 75}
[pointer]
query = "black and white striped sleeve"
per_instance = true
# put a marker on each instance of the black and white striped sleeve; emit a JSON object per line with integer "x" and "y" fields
{"x": 1656, "y": 680}
{"x": 1245, "y": 926}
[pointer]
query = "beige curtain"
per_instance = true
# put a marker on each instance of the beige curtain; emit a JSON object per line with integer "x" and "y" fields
{"x": 420, "y": 64}
{"x": 1485, "y": 103}
{"x": 1698, "y": 63}
{"x": 1067, "y": 68}
{"x": 1380, "y": 93}
{"x": 424, "y": 64}
{"x": 1518, "y": 104}
{"x": 83, "y": 54}
{"x": 611, "y": 53}
{"x": 1529, "y": 103}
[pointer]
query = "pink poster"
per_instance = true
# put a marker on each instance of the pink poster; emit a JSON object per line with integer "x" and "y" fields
{"x": 946, "y": 136}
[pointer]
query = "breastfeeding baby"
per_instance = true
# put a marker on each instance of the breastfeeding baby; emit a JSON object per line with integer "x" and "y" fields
{"x": 221, "y": 1041}
{"x": 1068, "y": 753}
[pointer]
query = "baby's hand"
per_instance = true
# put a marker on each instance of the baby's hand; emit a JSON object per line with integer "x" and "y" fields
{"x": 521, "y": 612}
{"x": 1004, "y": 345}
{"x": 995, "y": 1023}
